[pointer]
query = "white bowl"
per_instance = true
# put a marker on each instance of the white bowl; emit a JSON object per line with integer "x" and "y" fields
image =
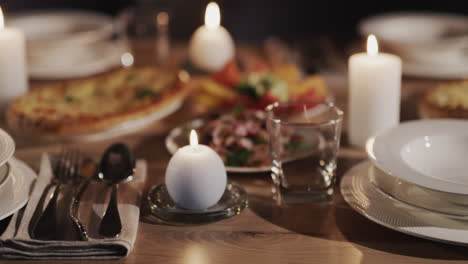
{"x": 429, "y": 153}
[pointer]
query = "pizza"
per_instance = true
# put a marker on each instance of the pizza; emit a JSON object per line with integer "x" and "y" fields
{"x": 97, "y": 103}
{"x": 447, "y": 100}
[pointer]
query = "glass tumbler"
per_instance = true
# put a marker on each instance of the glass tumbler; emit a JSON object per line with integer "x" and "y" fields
{"x": 304, "y": 141}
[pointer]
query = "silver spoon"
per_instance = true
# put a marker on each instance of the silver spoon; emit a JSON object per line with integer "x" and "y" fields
{"x": 117, "y": 164}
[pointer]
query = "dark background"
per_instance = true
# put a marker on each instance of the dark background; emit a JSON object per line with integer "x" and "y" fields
{"x": 254, "y": 19}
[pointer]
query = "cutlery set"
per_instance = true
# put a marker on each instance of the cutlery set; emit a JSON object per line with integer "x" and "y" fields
{"x": 117, "y": 165}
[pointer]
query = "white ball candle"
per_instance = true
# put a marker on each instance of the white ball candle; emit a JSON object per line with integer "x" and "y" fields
{"x": 13, "y": 76}
{"x": 211, "y": 45}
{"x": 195, "y": 176}
{"x": 374, "y": 93}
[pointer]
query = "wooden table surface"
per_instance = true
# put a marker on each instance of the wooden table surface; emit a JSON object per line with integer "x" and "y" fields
{"x": 265, "y": 232}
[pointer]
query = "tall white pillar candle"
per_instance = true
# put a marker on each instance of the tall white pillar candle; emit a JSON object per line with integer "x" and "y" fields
{"x": 13, "y": 76}
{"x": 211, "y": 45}
{"x": 374, "y": 93}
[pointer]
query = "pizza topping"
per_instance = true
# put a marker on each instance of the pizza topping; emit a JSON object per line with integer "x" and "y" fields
{"x": 112, "y": 95}
{"x": 454, "y": 95}
{"x": 145, "y": 92}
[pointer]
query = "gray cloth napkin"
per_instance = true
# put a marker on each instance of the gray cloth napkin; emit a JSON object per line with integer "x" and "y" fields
{"x": 16, "y": 242}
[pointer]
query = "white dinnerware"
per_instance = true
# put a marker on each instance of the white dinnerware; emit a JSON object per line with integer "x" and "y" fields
{"x": 429, "y": 153}
{"x": 427, "y": 42}
{"x": 366, "y": 199}
{"x": 17, "y": 187}
{"x": 63, "y": 44}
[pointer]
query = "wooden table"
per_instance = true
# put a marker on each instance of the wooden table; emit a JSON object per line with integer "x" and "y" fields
{"x": 266, "y": 232}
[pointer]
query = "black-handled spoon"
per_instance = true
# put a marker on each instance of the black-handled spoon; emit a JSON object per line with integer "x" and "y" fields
{"x": 117, "y": 165}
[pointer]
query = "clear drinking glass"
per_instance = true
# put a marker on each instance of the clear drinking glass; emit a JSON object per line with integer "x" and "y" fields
{"x": 304, "y": 140}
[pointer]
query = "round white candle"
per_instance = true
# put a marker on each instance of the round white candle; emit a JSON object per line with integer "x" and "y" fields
{"x": 211, "y": 45}
{"x": 195, "y": 176}
{"x": 13, "y": 78}
{"x": 374, "y": 93}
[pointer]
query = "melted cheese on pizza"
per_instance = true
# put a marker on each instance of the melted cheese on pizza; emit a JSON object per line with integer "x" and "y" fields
{"x": 120, "y": 91}
{"x": 452, "y": 96}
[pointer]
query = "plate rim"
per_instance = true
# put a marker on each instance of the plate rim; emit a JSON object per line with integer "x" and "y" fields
{"x": 353, "y": 201}
{"x": 5, "y": 156}
{"x": 24, "y": 174}
{"x": 386, "y": 141}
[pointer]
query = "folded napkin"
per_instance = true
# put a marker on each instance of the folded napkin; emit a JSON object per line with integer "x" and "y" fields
{"x": 17, "y": 243}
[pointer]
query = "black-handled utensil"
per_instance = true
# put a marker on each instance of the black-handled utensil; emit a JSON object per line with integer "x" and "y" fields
{"x": 117, "y": 165}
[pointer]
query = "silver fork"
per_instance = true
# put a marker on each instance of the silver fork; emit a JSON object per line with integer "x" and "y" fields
{"x": 65, "y": 171}
{"x": 80, "y": 228}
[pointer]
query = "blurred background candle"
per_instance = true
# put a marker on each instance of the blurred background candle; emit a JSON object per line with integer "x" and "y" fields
{"x": 13, "y": 78}
{"x": 374, "y": 92}
{"x": 211, "y": 46}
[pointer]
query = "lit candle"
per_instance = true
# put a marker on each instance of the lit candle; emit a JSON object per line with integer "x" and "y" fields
{"x": 195, "y": 176}
{"x": 211, "y": 46}
{"x": 374, "y": 92}
{"x": 13, "y": 78}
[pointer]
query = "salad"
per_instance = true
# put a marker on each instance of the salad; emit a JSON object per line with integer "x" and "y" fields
{"x": 240, "y": 138}
{"x": 258, "y": 88}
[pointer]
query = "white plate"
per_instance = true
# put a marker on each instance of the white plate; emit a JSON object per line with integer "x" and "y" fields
{"x": 7, "y": 147}
{"x": 450, "y": 204}
{"x": 108, "y": 59}
{"x": 61, "y": 27}
{"x": 418, "y": 29}
{"x": 362, "y": 196}
{"x": 17, "y": 188}
{"x": 435, "y": 71}
{"x": 429, "y": 153}
{"x": 4, "y": 175}
{"x": 418, "y": 38}
{"x": 177, "y": 138}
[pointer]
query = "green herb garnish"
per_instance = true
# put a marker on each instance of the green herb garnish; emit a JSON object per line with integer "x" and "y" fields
{"x": 248, "y": 89}
{"x": 147, "y": 92}
{"x": 259, "y": 140}
{"x": 69, "y": 99}
{"x": 131, "y": 76}
{"x": 238, "y": 158}
{"x": 237, "y": 109}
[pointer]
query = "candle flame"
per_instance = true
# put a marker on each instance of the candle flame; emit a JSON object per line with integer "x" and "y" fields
{"x": 2, "y": 22}
{"x": 372, "y": 45}
{"x": 212, "y": 15}
{"x": 193, "y": 138}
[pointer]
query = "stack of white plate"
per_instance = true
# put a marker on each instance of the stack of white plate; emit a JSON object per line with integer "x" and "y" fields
{"x": 433, "y": 45}
{"x": 69, "y": 44}
{"x": 416, "y": 181}
{"x": 16, "y": 178}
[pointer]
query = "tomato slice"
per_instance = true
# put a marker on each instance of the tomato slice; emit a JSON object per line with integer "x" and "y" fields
{"x": 229, "y": 75}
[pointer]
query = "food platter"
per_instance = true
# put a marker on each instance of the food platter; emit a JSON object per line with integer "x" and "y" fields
{"x": 118, "y": 130}
{"x": 178, "y": 137}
